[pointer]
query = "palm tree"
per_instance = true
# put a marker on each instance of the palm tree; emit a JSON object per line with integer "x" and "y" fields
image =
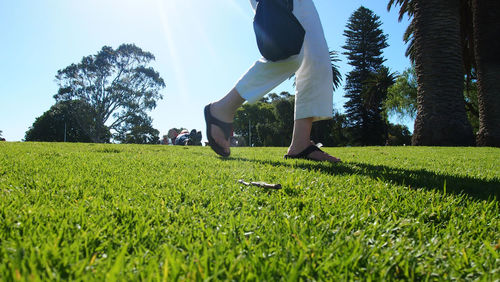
{"x": 336, "y": 76}
{"x": 406, "y": 8}
{"x": 441, "y": 118}
{"x": 486, "y": 24}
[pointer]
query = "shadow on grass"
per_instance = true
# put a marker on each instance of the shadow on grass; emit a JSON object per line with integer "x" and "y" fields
{"x": 412, "y": 178}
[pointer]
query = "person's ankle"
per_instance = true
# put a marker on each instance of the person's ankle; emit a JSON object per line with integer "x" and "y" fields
{"x": 221, "y": 113}
{"x": 297, "y": 147}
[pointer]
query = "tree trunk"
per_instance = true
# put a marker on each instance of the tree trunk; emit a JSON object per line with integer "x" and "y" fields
{"x": 486, "y": 17}
{"x": 441, "y": 117}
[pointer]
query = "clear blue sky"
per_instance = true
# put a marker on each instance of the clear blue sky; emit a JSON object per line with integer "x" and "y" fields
{"x": 201, "y": 49}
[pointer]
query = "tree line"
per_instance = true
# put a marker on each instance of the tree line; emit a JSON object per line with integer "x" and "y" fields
{"x": 269, "y": 122}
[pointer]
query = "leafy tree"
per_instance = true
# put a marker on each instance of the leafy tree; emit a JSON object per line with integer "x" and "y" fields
{"x": 137, "y": 130}
{"x": 117, "y": 84}
{"x": 332, "y": 132}
{"x": 402, "y": 96}
{"x": 251, "y": 122}
{"x": 364, "y": 43}
{"x": 64, "y": 121}
{"x": 436, "y": 49}
{"x": 268, "y": 122}
{"x": 283, "y": 109}
{"x": 398, "y": 135}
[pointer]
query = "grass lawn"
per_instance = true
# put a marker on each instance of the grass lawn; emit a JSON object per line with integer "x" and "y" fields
{"x": 129, "y": 212}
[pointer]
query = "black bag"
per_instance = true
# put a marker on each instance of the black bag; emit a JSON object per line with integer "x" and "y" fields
{"x": 279, "y": 34}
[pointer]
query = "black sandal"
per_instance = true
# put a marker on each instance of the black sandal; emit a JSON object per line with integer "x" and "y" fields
{"x": 227, "y": 129}
{"x": 304, "y": 154}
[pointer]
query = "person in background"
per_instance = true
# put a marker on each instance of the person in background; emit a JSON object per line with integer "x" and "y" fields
{"x": 172, "y": 134}
{"x": 182, "y": 138}
{"x": 164, "y": 140}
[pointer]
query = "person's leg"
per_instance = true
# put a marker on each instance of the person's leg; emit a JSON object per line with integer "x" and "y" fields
{"x": 225, "y": 108}
{"x": 314, "y": 96}
{"x": 301, "y": 135}
{"x": 261, "y": 78}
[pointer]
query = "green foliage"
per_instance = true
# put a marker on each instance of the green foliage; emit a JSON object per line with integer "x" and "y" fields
{"x": 337, "y": 76}
{"x": 137, "y": 130}
{"x": 398, "y": 135}
{"x": 70, "y": 121}
{"x": 333, "y": 132}
{"x": 365, "y": 83}
{"x": 116, "y": 84}
{"x": 268, "y": 122}
{"x": 127, "y": 213}
{"x": 364, "y": 41}
{"x": 402, "y": 96}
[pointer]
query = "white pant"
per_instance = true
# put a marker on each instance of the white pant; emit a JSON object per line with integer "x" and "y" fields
{"x": 312, "y": 68}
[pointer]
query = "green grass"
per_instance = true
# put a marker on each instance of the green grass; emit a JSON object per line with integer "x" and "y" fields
{"x": 125, "y": 212}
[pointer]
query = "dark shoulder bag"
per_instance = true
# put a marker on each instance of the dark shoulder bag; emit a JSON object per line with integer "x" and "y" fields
{"x": 279, "y": 34}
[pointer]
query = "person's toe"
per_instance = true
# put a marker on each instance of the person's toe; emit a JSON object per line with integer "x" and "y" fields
{"x": 322, "y": 156}
{"x": 220, "y": 138}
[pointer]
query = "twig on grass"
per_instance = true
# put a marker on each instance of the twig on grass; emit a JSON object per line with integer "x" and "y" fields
{"x": 261, "y": 184}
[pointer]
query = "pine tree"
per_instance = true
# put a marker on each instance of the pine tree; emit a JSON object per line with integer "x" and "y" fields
{"x": 364, "y": 43}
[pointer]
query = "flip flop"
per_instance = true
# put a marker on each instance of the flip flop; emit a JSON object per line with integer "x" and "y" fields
{"x": 227, "y": 129}
{"x": 304, "y": 154}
